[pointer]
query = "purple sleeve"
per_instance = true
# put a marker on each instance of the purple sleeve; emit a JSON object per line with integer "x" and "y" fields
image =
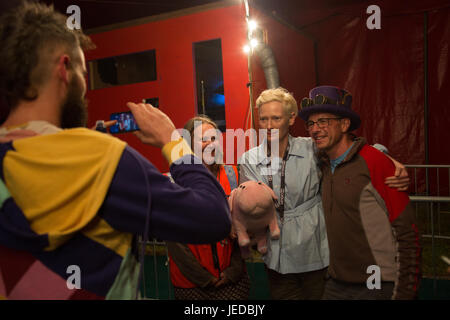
{"x": 192, "y": 210}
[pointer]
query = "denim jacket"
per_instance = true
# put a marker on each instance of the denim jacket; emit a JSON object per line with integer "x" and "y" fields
{"x": 303, "y": 244}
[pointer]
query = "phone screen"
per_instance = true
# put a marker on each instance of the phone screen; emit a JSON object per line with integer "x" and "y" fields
{"x": 125, "y": 122}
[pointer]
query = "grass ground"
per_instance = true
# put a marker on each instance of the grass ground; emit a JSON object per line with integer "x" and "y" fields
{"x": 432, "y": 264}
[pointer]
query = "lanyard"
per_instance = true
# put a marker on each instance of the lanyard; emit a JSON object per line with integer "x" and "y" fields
{"x": 280, "y": 206}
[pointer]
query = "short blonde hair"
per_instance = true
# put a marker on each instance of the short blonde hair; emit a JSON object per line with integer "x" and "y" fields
{"x": 281, "y": 95}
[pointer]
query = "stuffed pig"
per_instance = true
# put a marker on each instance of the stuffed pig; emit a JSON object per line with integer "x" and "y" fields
{"x": 252, "y": 211}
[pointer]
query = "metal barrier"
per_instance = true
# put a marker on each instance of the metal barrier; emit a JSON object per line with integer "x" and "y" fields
{"x": 431, "y": 203}
{"x": 430, "y": 186}
{"x": 434, "y": 189}
{"x": 428, "y": 190}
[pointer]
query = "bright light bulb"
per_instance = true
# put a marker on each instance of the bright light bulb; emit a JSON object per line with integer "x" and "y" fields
{"x": 246, "y": 48}
{"x": 254, "y": 43}
{"x": 252, "y": 25}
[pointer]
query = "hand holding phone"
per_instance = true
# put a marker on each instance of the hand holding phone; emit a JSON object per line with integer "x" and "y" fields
{"x": 155, "y": 127}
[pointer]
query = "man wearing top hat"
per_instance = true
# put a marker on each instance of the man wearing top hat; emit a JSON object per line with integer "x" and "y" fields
{"x": 372, "y": 233}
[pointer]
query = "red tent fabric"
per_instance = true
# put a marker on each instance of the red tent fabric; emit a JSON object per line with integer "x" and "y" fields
{"x": 385, "y": 70}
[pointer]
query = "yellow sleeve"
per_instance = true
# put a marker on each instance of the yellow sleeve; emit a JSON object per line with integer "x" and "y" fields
{"x": 174, "y": 150}
{"x": 48, "y": 180}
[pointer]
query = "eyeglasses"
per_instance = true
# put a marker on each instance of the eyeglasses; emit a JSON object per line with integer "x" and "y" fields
{"x": 321, "y": 123}
{"x": 322, "y": 99}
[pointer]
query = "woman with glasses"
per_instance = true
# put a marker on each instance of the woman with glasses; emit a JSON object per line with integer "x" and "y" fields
{"x": 210, "y": 271}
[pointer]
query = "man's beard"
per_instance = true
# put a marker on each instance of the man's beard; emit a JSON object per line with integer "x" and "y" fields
{"x": 74, "y": 108}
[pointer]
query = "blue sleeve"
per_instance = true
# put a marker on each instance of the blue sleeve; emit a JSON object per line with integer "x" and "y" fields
{"x": 192, "y": 210}
{"x": 248, "y": 170}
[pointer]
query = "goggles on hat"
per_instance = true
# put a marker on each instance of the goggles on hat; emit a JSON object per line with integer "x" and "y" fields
{"x": 321, "y": 99}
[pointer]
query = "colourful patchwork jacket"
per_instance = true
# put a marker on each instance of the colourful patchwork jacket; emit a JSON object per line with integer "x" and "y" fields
{"x": 72, "y": 203}
{"x": 368, "y": 223}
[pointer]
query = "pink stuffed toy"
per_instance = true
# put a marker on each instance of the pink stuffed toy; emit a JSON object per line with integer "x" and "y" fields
{"x": 252, "y": 211}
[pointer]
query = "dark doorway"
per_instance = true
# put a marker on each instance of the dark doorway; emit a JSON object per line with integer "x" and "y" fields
{"x": 209, "y": 81}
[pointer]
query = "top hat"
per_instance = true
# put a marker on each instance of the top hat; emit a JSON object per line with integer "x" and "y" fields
{"x": 329, "y": 99}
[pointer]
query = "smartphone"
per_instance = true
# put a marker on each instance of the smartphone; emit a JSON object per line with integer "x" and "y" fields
{"x": 125, "y": 122}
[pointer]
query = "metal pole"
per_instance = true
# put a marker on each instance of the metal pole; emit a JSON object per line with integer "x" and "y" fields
{"x": 144, "y": 284}
{"x": 433, "y": 251}
{"x": 415, "y": 180}
{"x": 156, "y": 269}
{"x": 250, "y": 88}
{"x": 437, "y": 178}
{"x": 425, "y": 71}
{"x": 169, "y": 281}
{"x": 438, "y": 205}
{"x": 203, "y": 96}
{"x": 249, "y": 65}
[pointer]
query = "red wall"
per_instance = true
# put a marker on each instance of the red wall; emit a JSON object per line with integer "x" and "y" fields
{"x": 173, "y": 40}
